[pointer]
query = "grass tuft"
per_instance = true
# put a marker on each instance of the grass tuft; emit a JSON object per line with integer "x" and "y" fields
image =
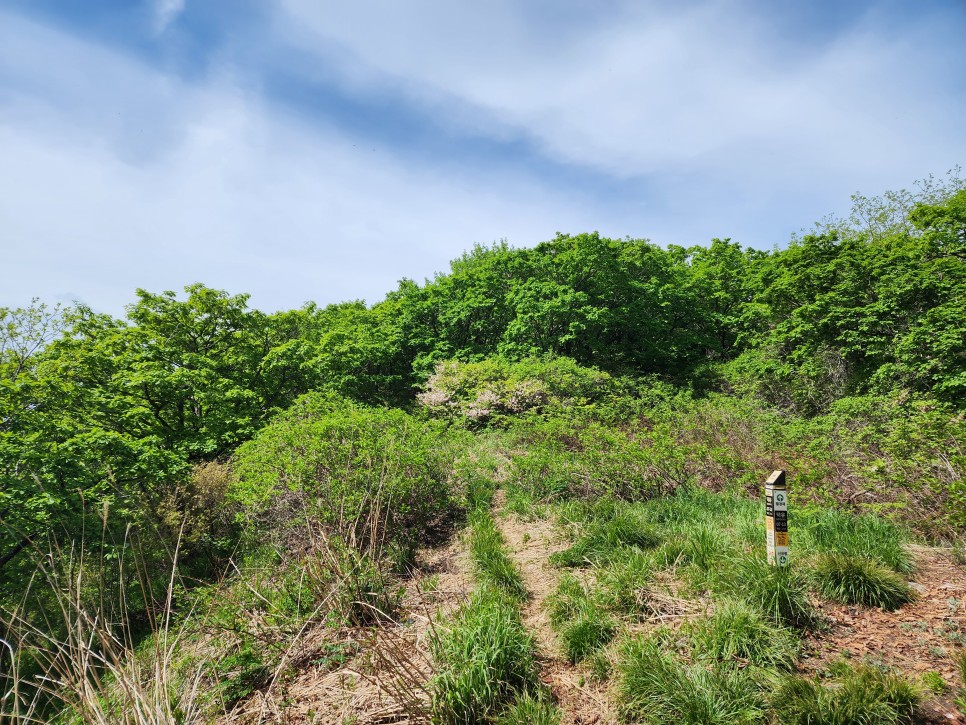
{"x": 655, "y": 687}
{"x": 531, "y": 709}
{"x": 624, "y": 584}
{"x": 741, "y": 634}
{"x": 858, "y": 580}
{"x": 861, "y": 695}
{"x": 493, "y": 566}
{"x": 587, "y": 634}
{"x": 484, "y": 658}
{"x": 566, "y": 603}
{"x": 960, "y": 659}
{"x": 622, "y": 529}
{"x": 778, "y": 591}
{"x": 837, "y": 532}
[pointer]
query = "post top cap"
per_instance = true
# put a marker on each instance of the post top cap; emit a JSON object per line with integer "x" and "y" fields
{"x": 776, "y": 479}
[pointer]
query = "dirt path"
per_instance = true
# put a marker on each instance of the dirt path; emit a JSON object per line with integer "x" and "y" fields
{"x": 919, "y": 637}
{"x": 530, "y": 544}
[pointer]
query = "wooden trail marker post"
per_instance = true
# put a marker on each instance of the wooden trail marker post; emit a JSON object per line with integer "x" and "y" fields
{"x": 776, "y": 519}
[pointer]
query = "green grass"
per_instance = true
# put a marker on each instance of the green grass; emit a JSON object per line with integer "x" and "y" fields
{"x": 705, "y": 548}
{"x": 583, "y": 624}
{"x": 616, "y": 528}
{"x": 493, "y": 566}
{"x": 656, "y": 687}
{"x": 484, "y": 659}
{"x": 860, "y": 695}
{"x": 587, "y": 634}
{"x": 778, "y": 591}
{"x": 741, "y": 634}
{"x": 622, "y": 585}
{"x": 857, "y": 580}
{"x": 567, "y": 601}
{"x": 960, "y": 660}
{"x": 827, "y": 531}
{"x": 530, "y": 710}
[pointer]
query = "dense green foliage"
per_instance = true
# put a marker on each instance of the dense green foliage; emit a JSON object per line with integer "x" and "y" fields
{"x": 197, "y": 432}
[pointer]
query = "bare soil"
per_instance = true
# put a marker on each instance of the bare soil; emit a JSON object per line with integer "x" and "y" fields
{"x": 581, "y": 700}
{"x": 919, "y": 637}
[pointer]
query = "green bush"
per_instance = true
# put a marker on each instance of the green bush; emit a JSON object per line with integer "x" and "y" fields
{"x": 655, "y": 687}
{"x": 565, "y": 457}
{"x": 479, "y": 392}
{"x": 858, "y": 580}
{"x": 372, "y": 474}
{"x": 861, "y": 695}
{"x": 484, "y": 658}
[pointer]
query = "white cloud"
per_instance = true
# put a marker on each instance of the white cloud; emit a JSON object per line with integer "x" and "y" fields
{"x": 116, "y": 175}
{"x": 123, "y": 178}
{"x": 165, "y": 13}
{"x": 638, "y": 89}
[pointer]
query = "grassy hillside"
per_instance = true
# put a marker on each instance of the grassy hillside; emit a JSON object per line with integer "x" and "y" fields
{"x": 527, "y": 490}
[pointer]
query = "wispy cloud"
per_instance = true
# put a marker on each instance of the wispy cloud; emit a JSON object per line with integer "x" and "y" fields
{"x": 423, "y": 127}
{"x": 221, "y": 189}
{"x": 166, "y": 12}
{"x": 651, "y": 89}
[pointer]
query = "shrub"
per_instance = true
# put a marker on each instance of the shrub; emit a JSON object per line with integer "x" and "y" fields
{"x": 484, "y": 659}
{"x": 567, "y": 457}
{"x": 478, "y": 392}
{"x": 858, "y": 580}
{"x": 737, "y": 632}
{"x": 655, "y": 687}
{"x": 370, "y": 474}
{"x": 861, "y": 695}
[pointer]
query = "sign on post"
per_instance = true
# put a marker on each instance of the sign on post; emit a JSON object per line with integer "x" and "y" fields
{"x": 776, "y": 519}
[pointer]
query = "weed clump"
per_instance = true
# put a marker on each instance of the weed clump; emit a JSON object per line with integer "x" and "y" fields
{"x": 871, "y": 537}
{"x": 493, "y": 566}
{"x": 741, "y": 634}
{"x": 603, "y": 537}
{"x": 567, "y": 602}
{"x": 484, "y": 659}
{"x": 587, "y": 634}
{"x": 624, "y": 585}
{"x": 778, "y": 591}
{"x": 859, "y": 580}
{"x": 656, "y": 687}
{"x": 862, "y": 695}
{"x": 530, "y": 709}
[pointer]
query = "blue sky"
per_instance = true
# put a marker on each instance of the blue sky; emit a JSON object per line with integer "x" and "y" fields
{"x": 312, "y": 150}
